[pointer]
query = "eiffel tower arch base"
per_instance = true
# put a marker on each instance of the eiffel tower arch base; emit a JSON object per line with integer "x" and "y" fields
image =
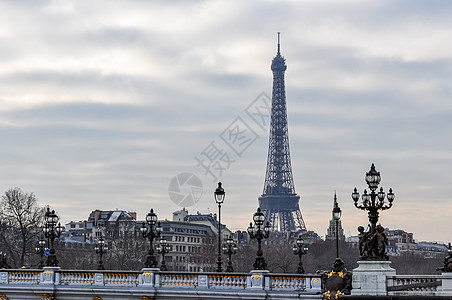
{"x": 282, "y": 212}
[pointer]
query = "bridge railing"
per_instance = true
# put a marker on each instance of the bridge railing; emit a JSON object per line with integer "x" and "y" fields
{"x": 115, "y": 278}
{"x": 414, "y": 284}
{"x": 155, "y": 278}
{"x": 294, "y": 282}
{"x": 202, "y": 280}
{"x": 255, "y": 280}
{"x": 22, "y": 276}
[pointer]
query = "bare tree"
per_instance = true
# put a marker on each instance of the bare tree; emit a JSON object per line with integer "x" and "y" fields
{"x": 281, "y": 258}
{"x": 416, "y": 263}
{"x": 125, "y": 253}
{"x": 21, "y": 216}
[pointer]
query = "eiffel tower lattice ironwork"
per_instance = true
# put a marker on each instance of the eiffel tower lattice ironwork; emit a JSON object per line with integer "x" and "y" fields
{"x": 279, "y": 201}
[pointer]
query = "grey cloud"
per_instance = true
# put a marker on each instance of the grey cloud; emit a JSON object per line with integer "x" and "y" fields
{"x": 103, "y": 138}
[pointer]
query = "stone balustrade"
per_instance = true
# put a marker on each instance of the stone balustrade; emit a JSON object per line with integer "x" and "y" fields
{"x": 233, "y": 281}
{"x": 120, "y": 278}
{"x": 414, "y": 284}
{"x": 377, "y": 278}
{"x": 24, "y": 277}
{"x": 258, "y": 284}
{"x": 154, "y": 281}
{"x": 285, "y": 282}
{"x": 178, "y": 280}
{"x": 76, "y": 277}
{"x": 82, "y": 284}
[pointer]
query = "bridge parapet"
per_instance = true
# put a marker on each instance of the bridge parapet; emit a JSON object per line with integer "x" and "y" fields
{"x": 151, "y": 282}
{"x": 75, "y": 277}
{"x": 202, "y": 280}
{"x": 425, "y": 285}
{"x": 290, "y": 282}
{"x": 55, "y": 279}
{"x": 413, "y": 284}
{"x": 23, "y": 277}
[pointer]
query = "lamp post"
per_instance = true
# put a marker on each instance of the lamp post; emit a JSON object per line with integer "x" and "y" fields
{"x": 40, "y": 249}
{"x": 219, "y": 195}
{"x": 101, "y": 248}
{"x": 52, "y": 230}
{"x": 299, "y": 248}
{"x": 372, "y": 203}
{"x": 163, "y": 248}
{"x": 337, "y": 212}
{"x": 229, "y": 248}
{"x": 151, "y": 233}
{"x": 259, "y": 232}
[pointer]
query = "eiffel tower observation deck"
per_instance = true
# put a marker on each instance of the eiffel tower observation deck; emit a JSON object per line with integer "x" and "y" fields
{"x": 279, "y": 202}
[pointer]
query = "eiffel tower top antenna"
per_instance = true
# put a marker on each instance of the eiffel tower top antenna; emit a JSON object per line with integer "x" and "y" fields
{"x": 278, "y": 43}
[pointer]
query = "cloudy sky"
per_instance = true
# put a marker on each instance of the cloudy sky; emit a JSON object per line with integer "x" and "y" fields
{"x": 103, "y": 103}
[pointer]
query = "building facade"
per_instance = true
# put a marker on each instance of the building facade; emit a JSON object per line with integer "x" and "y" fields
{"x": 192, "y": 239}
{"x": 191, "y": 246}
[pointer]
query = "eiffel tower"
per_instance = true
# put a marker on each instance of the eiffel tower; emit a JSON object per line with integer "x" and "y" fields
{"x": 279, "y": 202}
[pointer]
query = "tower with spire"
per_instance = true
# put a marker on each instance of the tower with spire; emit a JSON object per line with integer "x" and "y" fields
{"x": 331, "y": 231}
{"x": 279, "y": 202}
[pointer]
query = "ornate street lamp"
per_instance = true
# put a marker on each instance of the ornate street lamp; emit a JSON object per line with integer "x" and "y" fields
{"x": 151, "y": 233}
{"x": 40, "y": 249}
{"x": 337, "y": 212}
{"x": 299, "y": 248}
{"x": 372, "y": 244}
{"x": 163, "y": 248}
{"x": 101, "y": 248}
{"x": 52, "y": 230}
{"x": 219, "y": 195}
{"x": 259, "y": 232}
{"x": 229, "y": 248}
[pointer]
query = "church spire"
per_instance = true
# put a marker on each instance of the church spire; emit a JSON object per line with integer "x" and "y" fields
{"x": 335, "y": 223}
{"x": 335, "y": 200}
